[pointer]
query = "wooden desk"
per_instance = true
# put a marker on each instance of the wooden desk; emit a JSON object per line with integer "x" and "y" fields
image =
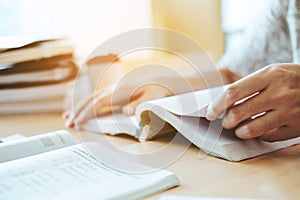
{"x": 275, "y": 175}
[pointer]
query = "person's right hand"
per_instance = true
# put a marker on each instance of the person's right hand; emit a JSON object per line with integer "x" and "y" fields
{"x": 264, "y": 104}
{"x": 125, "y": 98}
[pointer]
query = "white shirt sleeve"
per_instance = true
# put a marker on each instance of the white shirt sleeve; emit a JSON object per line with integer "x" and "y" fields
{"x": 293, "y": 19}
{"x": 272, "y": 37}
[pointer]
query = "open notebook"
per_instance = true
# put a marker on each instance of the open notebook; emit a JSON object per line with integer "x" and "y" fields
{"x": 52, "y": 166}
{"x": 185, "y": 114}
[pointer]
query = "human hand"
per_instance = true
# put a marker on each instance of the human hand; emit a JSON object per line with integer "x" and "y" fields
{"x": 272, "y": 113}
{"x": 125, "y": 98}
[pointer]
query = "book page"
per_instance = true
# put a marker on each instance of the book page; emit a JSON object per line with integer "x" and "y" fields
{"x": 11, "y": 42}
{"x": 40, "y": 50}
{"x": 12, "y": 137}
{"x": 213, "y": 139}
{"x": 73, "y": 173}
{"x": 113, "y": 124}
{"x": 20, "y": 148}
{"x": 49, "y": 105}
{"x": 33, "y": 93}
{"x": 189, "y": 104}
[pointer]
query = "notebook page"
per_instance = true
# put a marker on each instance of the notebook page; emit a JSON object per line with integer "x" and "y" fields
{"x": 16, "y": 149}
{"x": 72, "y": 173}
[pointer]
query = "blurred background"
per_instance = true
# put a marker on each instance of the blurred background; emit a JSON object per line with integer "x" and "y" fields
{"x": 51, "y": 70}
{"x": 215, "y": 24}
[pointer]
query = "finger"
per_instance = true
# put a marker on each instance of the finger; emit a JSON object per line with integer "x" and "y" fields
{"x": 249, "y": 108}
{"x": 99, "y": 107}
{"x": 73, "y": 114}
{"x": 235, "y": 92}
{"x": 260, "y": 125}
{"x": 78, "y": 110}
{"x": 280, "y": 134}
{"x": 97, "y": 94}
{"x": 86, "y": 105}
{"x": 93, "y": 108}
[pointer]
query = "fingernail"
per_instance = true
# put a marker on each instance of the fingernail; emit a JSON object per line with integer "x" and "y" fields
{"x": 68, "y": 123}
{"x": 228, "y": 121}
{"x": 209, "y": 115}
{"x": 243, "y": 132}
{"x": 128, "y": 110}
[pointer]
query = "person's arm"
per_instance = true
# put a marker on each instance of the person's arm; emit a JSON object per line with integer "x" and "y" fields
{"x": 274, "y": 91}
{"x": 266, "y": 38}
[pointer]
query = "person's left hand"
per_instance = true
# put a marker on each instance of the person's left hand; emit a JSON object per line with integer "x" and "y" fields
{"x": 273, "y": 110}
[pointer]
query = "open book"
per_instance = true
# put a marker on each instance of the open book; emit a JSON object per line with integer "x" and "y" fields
{"x": 51, "y": 166}
{"x": 185, "y": 114}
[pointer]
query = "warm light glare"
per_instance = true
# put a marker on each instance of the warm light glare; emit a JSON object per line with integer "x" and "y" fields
{"x": 87, "y": 22}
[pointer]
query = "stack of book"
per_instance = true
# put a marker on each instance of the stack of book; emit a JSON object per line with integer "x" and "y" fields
{"x": 35, "y": 75}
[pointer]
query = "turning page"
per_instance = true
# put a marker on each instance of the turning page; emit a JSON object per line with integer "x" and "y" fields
{"x": 192, "y": 104}
{"x": 211, "y": 137}
{"x": 186, "y": 113}
{"x": 189, "y": 104}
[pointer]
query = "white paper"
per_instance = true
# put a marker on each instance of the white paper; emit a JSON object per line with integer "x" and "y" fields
{"x": 213, "y": 139}
{"x": 12, "y": 137}
{"x": 73, "y": 173}
{"x": 189, "y": 104}
{"x": 11, "y": 42}
{"x": 113, "y": 124}
{"x": 12, "y": 150}
{"x": 185, "y": 113}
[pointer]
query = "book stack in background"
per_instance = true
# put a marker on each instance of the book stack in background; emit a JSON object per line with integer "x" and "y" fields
{"x": 35, "y": 75}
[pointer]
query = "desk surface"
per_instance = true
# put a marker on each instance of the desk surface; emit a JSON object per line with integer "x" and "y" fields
{"x": 275, "y": 175}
